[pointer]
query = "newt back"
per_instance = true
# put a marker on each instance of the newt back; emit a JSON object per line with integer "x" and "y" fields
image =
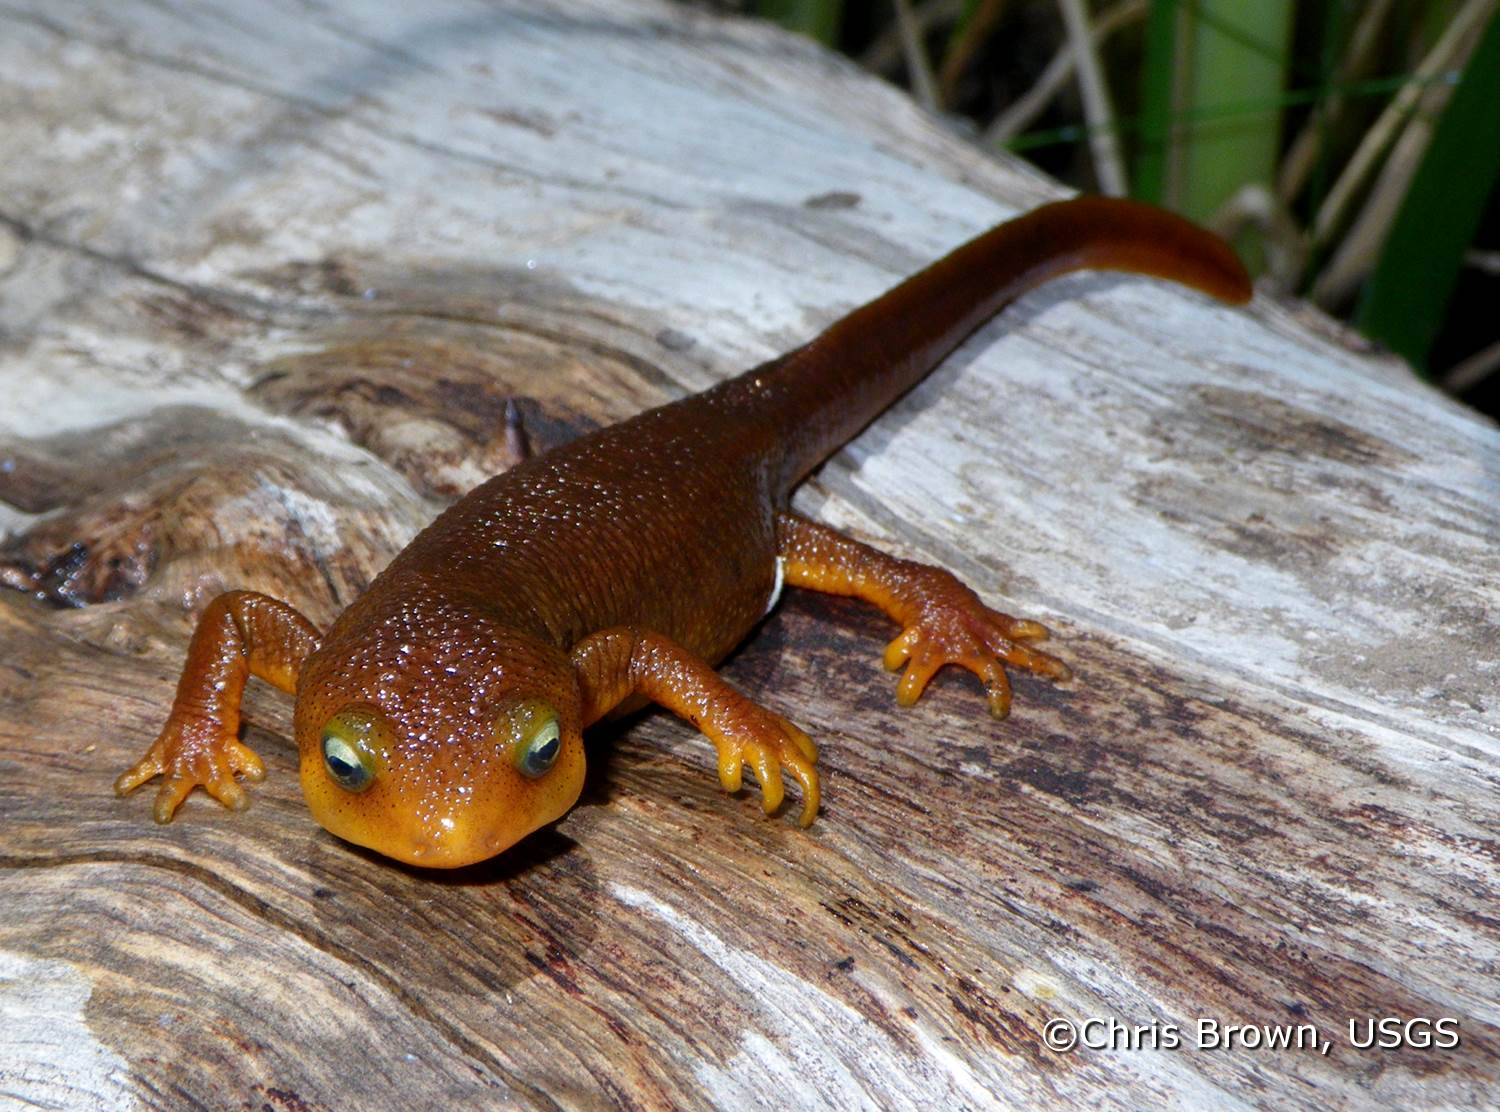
{"x": 667, "y": 519}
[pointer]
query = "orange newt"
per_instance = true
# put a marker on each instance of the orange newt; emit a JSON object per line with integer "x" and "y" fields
{"x": 440, "y": 719}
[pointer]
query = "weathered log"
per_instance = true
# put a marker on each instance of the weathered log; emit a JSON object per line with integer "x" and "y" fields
{"x": 270, "y": 275}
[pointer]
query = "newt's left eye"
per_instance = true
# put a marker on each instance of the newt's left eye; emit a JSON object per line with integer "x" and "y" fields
{"x": 540, "y": 751}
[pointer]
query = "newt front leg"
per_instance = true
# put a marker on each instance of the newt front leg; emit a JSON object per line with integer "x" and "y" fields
{"x": 943, "y": 622}
{"x": 614, "y": 664}
{"x": 241, "y": 634}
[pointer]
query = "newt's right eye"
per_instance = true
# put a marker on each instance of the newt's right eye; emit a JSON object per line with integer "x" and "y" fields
{"x": 541, "y": 750}
{"x": 348, "y": 753}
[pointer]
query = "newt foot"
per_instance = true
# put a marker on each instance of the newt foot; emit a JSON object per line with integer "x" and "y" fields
{"x": 189, "y": 753}
{"x": 968, "y": 633}
{"x": 767, "y": 743}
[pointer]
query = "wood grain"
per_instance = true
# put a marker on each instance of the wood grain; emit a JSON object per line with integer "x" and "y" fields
{"x": 268, "y": 278}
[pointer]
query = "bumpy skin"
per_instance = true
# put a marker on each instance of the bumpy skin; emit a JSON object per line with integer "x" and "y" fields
{"x": 620, "y": 567}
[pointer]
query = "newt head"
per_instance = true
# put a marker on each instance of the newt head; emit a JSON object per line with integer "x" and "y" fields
{"x": 434, "y": 746}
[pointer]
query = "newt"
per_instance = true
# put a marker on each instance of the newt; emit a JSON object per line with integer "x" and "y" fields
{"x": 440, "y": 719}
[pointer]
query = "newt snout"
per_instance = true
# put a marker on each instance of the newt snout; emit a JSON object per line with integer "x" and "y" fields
{"x": 438, "y": 752}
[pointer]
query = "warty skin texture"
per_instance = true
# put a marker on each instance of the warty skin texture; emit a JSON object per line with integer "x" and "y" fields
{"x": 620, "y": 567}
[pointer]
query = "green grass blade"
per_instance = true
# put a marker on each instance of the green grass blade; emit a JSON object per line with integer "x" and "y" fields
{"x": 1238, "y": 53}
{"x": 821, "y": 19}
{"x": 1408, "y": 291}
{"x": 1158, "y": 80}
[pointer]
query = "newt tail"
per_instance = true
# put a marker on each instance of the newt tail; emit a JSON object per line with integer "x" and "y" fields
{"x": 834, "y": 386}
{"x": 440, "y": 718}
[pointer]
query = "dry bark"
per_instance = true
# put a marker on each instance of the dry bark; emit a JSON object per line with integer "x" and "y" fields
{"x": 270, "y": 274}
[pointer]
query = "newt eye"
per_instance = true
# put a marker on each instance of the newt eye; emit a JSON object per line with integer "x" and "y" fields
{"x": 540, "y": 751}
{"x": 346, "y": 750}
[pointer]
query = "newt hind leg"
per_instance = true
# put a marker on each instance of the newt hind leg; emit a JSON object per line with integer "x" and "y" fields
{"x": 943, "y": 622}
{"x": 241, "y": 634}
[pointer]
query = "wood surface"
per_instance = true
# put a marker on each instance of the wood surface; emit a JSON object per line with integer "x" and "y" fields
{"x": 268, "y": 274}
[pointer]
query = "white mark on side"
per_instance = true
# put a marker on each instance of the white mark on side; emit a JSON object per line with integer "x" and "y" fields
{"x": 48, "y": 1056}
{"x": 808, "y": 1049}
{"x": 777, "y": 586}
